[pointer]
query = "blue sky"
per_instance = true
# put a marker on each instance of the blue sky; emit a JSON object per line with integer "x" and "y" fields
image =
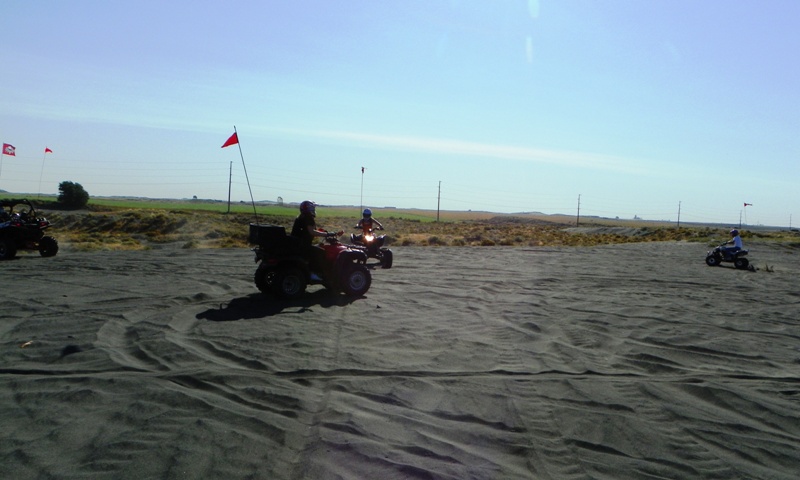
{"x": 638, "y": 107}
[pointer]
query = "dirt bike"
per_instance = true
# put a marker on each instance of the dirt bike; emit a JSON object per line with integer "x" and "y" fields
{"x": 372, "y": 245}
{"x": 21, "y": 228}
{"x": 718, "y": 255}
{"x": 285, "y": 268}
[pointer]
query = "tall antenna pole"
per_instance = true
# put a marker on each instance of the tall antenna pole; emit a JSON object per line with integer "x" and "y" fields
{"x": 679, "y": 214}
{"x": 578, "y": 220}
{"x": 438, "y": 200}
{"x": 362, "y": 188}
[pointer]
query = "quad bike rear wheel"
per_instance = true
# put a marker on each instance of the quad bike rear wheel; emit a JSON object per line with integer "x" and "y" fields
{"x": 289, "y": 282}
{"x": 264, "y": 279}
{"x": 741, "y": 263}
{"x": 356, "y": 280}
{"x": 712, "y": 260}
{"x": 48, "y": 246}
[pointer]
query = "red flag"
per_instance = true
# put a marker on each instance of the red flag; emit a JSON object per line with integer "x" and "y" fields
{"x": 362, "y": 170}
{"x": 746, "y": 204}
{"x": 233, "y": 140}
{"x": 47, "y": 150}
{"x": 9, "y": 149}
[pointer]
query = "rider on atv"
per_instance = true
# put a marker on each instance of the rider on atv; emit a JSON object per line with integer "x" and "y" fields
{"x": 305, "y": 228}
{"x": 736, "y": 240}
{"x": 367, "y": 223}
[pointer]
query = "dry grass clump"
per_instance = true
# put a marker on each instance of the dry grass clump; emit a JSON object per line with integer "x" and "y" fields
{"x": 136, "y": 229}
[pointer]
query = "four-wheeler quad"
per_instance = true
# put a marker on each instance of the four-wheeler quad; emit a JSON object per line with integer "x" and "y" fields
{"x": 22, "y": 229}
{"x": 372, "y": 245}
{"x": 718, "y": 255}
{"x": 286, "y": 270}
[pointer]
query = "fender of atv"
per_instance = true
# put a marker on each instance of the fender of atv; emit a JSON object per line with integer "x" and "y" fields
{"x": 352, "y": 256}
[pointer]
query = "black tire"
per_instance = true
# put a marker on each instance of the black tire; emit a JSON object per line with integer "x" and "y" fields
{"x": 264, "y": 278}
{"x": 712, "y": 260}
{"x": 7, "y": 249}
{"x": 387, "y": 258}
{"x": 48, "y": 246}
{"x": 741, "y": 263}
{"x": 289, "y": 282}
{"x": 356, "y": 280}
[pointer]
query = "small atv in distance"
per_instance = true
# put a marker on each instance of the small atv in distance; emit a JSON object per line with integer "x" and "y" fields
{"x": 718, "y": 255}
{"x": 284, "y": 271}
{"x": 22, "y": 229}
{"x": 372, "y": 245}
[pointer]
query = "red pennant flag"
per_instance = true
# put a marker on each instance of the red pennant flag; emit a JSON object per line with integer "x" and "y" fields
{"x": 746, "y": 204}
{"x": 362, "y": 170}
{"x": 47, "y": 150}
{"x": 9, "y": 149}
{"x": 233, "y": 140}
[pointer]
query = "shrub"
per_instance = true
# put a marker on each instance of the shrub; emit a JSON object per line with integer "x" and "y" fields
{"x": 72, "y": 195}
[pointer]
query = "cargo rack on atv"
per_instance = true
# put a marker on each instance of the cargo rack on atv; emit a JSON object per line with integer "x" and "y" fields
{"x": 273, "y": 238}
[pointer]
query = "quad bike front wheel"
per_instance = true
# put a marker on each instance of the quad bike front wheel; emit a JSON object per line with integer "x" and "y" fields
{"x": 7, "y": 249}
{"x": 712, "y": 260}
{"x": 356, "y": 280}
{"x": 289, "y": 282}
{"x": 386, "y": 259}
{"x": 741, "y": 263}
{"x": 48, "y": 246}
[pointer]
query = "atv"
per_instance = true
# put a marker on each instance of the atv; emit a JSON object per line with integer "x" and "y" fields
{"x": 285, "y": 271}
{"x": 373, "y": 246}
{"x": 718, "y": 255}
{"x": 22, "y": 229}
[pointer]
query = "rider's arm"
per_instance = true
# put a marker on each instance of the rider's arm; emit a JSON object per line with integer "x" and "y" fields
{"x": 378, "y": 223}
{"x": 316, "y": 233}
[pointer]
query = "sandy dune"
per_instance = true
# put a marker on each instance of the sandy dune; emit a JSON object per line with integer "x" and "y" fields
{"x": 612, "y": 362}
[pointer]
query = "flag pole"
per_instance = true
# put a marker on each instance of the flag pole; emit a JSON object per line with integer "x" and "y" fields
{"x": 44, "y": 155}
{"x": 252, "y": 200}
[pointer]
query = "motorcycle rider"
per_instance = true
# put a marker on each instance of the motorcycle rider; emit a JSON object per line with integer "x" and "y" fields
{"x": 305, "y": 228}
{"x": 736, "y": 240}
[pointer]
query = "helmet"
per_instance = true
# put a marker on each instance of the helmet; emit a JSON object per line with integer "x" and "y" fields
{"x": 734, "y": 232}
{"x": 308, "y": 207}
{"x": 367, "y": 212}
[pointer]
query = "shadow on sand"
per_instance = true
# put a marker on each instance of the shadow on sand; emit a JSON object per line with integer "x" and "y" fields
{"x": 258, "y": 305}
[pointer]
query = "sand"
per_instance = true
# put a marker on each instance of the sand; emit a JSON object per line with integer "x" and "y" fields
{"x": 609, "y": 362}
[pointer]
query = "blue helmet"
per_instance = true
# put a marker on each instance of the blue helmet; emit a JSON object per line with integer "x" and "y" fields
{"x": 367, "y": 212}
{"x": 734, "y": 232}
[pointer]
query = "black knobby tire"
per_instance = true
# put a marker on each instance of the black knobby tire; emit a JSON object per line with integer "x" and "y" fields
{"x": 264, "y": 279}
{"x": 387, "y": 259}
{"x": 7, "y": 249}
{"x": 48, "y": 246}
{"x": 741, "y": 263}
{"x": 356, "y": 279}
{"x": 289, "y": 282}
{"x": 712, "y": 260}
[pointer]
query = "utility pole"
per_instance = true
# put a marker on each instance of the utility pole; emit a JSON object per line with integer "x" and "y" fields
{"x": 438, "y": 200}
{"x": 578, "y": 220}
{"x": 230, "y": 177}
{"x": 679, "y": 214}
